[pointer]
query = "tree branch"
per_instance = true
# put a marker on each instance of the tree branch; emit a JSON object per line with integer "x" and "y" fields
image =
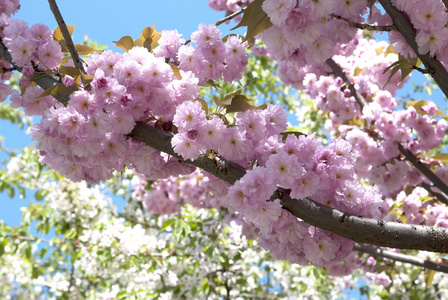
{"x": 407, "y": 154}
{"x": 40, "y": 77}
{"x": 430, "y": 188}
{"x": 446, "y": 3}
{"x": 377, "y": 252}
{"x": 406, "y": 29}
{"x": 66, "y": 34}
{"x": 339, "y": 72}
{"x": 365, "y": 26}
{"x": 425, "y": 171}
{"x": 358, "y": 229}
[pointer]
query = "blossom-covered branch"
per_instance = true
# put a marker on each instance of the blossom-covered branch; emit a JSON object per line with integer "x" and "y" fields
{"x": 41, "y": 78}
{"x": 362, "y": 230}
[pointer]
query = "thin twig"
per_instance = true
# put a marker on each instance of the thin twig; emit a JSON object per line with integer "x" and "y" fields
{"x": 337, "y": 70}
{"x": 223, "y": 20}
{"x": 365, "y": 26}
{"x": 66, "y": 34}
{"x": 430, "y": 188}
{"x": 419, "y": 262}
{"x": 424, "y": 170}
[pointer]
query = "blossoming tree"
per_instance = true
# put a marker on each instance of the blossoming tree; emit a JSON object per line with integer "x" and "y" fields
{"x": 184, "y": 130}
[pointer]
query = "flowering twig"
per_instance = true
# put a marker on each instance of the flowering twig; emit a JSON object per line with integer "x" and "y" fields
{"x": 406, "y": 29}
{"x": 338, "y": 71}
{"x": 407, "y": 154}
{"x": 39, "y": 77}
{"x": 402, "y": 258}
{"x": 365, "y": 26}
{"x": 223, "y": 20}
{"x": 430, "y": 188}
{"x": 424, "y": 170}
{"x": 66, "y": 34}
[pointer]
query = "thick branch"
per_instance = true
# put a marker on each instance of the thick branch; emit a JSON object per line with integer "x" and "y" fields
{"x": 66, "y": 34}
{"x": 406, "y": 29}
{"x": 402, "y": 258}
{"x": 161, "y": 140}
{"x": 407, "y": 154}
{"x": 361, "y": 230}
{"x": 365, "y": 26}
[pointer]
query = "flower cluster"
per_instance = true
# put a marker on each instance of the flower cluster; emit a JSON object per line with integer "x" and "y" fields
{"x": 375, "y": 145}
{"x": 298, "y": 34}
{"x": 429, "y": 21}
{"x": 85, "y": 140}
{"x": 309, "y": 170}
{"x": 212, "y": 58}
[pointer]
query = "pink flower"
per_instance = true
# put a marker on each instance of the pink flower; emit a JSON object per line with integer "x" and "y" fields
{"x": 278, "y": 10}
{"x": 21, "y": 50}
{"x": 277, "y": 43}
{"x": 305, "y": 186}
{"x": 433, "y": 41}
{"x": 321, "y": 249}
{"x": 50, "y": 54}
{"x": 428, "y": 15}
{"x": 206, "y": 35}
{"x": 40, "y": 34}
{"x": 5, "y": 91}
{"x": 187, "y": 148}
{"x": 284, "y": 168}
{"x": 189, "y": 115}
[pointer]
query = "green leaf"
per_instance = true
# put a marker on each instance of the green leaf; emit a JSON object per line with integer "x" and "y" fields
{"x": 3, "y": 246}
{"x": 36, "y": 272}
{"x": 167, "y": 223}
{"x": 405, "y": 65}
{"x": 84, "y": 49}
{"x": 11, "y": 192}
{"x": 40, "y": 194}
{"x": 180, "y": 229}
{"x": 204, "y": 105}
{"x": 255, "y": 19}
